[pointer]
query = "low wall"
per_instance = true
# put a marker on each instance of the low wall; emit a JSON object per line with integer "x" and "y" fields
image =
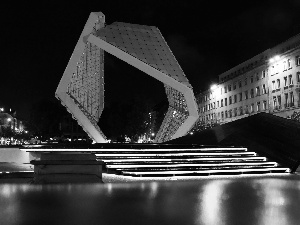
{"x": 14, "y": 155}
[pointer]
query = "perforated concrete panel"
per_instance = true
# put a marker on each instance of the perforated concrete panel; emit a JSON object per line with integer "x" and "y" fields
{"x": 143, "y": 47}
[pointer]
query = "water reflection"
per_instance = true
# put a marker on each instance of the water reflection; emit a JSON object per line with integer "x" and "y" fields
{"x": 207, "y": 202}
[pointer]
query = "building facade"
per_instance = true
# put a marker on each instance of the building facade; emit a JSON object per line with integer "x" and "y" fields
{"x": 268, "y": 82}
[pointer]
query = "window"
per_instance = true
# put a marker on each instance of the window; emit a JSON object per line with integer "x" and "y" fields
{"x": 264, "y": 91}
{"x": 286, "y": 97}
{"x": 291, "y": 80}
{"x": 218, "y": 104}
{"x": 284, "y": 66}
{"x": 246, "y": 109}
{"x": 225, "y": 101}
{"x": 230, "y": 113}
{"x": 273, "y": 85}
{"x": 205, "y": 98}
{"x": 226, "y": 114}
{"x": 246, "y": 94}
{"x": 225, "y": 89}
{"x": 257, "y": 91}
{"x": 298, "y": 60}
{"x": 292, "y": 98}
{"x": 257, "y": 77}
{"x": 214, "y": 105}
{"x": 246, "y": 81}
{"x": 240, "y": 83}
{"x": 241, "y": 110}
{"x": 229, "y": 88}
{"x": 230, "y": 100}
{"x": 235, "y": 99}
{"x": 251, "y": 79}
{"x": 274, "y": 102}
{"x": 289, "y": 64}
{"x": 252, "y": 93}
{"x": 285, "y": 81}
{"x": 234, "y": 85}
{"x": 222, "y": 114}
{"x": 298, "y": 77}
{"x": 221, "y": 90}
{"x": 279, "y": 100}
{"x": 258, "y": 106}
{"x": 277, "y": 68}
{"x": 241, "y": 96}
{"x": 264, "y": 105}
{"x": 278, "y": 83}
{"x": 252, "y": 108}
{"x": 221, "y": 102}
{"x": 263, "y": 75}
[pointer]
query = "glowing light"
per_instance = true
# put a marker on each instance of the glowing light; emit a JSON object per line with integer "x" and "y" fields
{"x": 213, "y": 87}
{"x": 274, "y": 59}
{"x": 8, "y": 119}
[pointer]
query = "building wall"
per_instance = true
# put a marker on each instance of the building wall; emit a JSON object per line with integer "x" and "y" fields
{"x": 268, "y": 82}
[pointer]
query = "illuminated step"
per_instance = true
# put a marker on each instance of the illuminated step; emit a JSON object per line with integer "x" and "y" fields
{"x": 175, "y": 154}
{"x": 126, "y": 150}
{"x": 191, "y": 165}
{"x": 197, "y": 172}
{"x": 188, "y": 160}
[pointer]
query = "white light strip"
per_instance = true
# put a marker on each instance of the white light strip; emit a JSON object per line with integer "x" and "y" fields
{"x": 205, "y": 171}
{"x": 190, "y": 165}
{"x": 137, "y": 150}
{"x": 193, "y": 159}
{"x": 177, "y": 154}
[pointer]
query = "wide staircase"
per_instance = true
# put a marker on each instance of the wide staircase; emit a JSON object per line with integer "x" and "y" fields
{"x": 184, "y": 160}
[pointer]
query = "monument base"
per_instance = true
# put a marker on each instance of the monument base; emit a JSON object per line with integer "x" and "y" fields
{"x": 58, "y": 168}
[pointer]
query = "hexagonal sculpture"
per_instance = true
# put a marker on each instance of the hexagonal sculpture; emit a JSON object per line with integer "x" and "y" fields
{"x": 81, "y": 88}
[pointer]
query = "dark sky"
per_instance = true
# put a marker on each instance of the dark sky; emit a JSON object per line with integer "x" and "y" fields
{"x": 207, "y": 39}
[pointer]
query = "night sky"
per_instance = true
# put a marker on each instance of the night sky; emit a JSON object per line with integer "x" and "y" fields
{"x": 207, "y": 39}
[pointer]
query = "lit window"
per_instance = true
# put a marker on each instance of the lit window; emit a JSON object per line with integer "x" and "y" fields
{"x": 252, "y": 93}
{"x": 289, "y": 64}
{"x": 291, "y": 80}
{"x": 252, "y": 108}
{"x": 284, "y": 66}
{"x": 257, "y": 91}
{"x": 264, "y": 105}
{"x": 246, "y": 94}
{"x": 298, "y": 60}
{"x": 285, "y": 81}
{"x": 264, "y": 89}
{"x": 274, "y": 102}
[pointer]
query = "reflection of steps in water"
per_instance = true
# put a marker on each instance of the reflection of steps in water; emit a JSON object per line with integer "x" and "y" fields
{"x": 186, "y": 162}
